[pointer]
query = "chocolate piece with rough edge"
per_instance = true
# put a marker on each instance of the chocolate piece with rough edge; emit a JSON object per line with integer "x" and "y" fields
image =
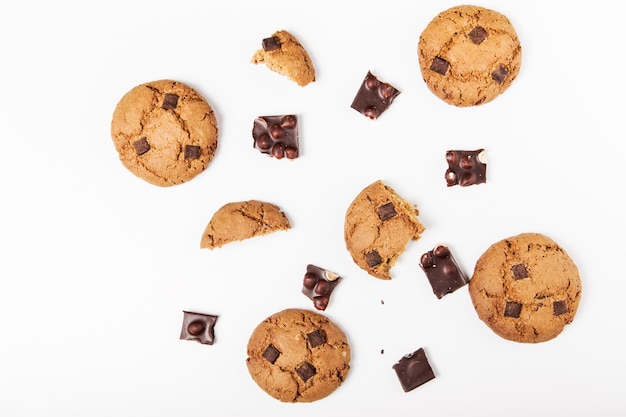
{"x": 477, "y": 35}
{"x": 442, "y": 270}
{"x": 192, "y": 152}
{"x": 318, "y": 284}
{"x": 198, "y": 327}
{"x": 170, "y": 101}
{"x": 271, "y": 354}
{"x": 439, "y": 65}
{"x": 560, "y": 307}
{"x": 277, "y": 136}
{"x": 466, "y": 167}
{"x": 374, "y": 97}
{"x": 141, "y": 146}
{"x": 519, "y": 271}
{"x": 414, "y": 370}
{"x": 306, "y": 371}
{"x": 512, "y": 309}
{"x": 271, "y": 44}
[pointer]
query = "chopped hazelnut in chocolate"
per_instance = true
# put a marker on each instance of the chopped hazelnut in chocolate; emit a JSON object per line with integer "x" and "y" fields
{"x": 316, "y": 338}
{"x": 271, "y": 44}
{"x": 141, "y": 146}
{"x": 443, "y": 272}
{"x": 466, "y": 168}
{"x": 318, "y": 284}
{"x": 373, "y": 258}
{"x": 500, "y": 74}
{"x": 439, "y": 65}
{"x": 560, "y": 307}
{"x": 271, "y": 354}
{"x": 192, "y": 152}
{"x": 306, "y": 371}
{"x": 512, "y": 309}
{"x": 519, "y": 271}
{"x": 170, "y": 101}
{"x": 387, "y": 211}
{"x": 373, "y": 97}
{"x": 413, "y": 370}
{"x": 477, "y": 35}
{"x": 198, "y": 327}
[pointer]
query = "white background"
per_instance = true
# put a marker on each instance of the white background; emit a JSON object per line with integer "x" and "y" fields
{"x": 96, "y": 265}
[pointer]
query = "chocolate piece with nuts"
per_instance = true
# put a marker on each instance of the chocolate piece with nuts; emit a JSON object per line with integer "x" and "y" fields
{"x": 277, "y": 136}
{"x": 318, "y": 284}
{"x": 198, "y": 327}
{"x": 466, "y": 168}
{"x": 374, "y": 97}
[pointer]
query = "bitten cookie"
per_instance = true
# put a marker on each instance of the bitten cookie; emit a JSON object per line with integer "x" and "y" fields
{"x": 298, "y": 356}
{"x": 165, "y": 132}
{"x": 243, "y": 220}
{"x": 469, "y": 55}
{"x": 283, "y": 53}
{"x": 526, "y": 288}
{"x": 378, "y": 225}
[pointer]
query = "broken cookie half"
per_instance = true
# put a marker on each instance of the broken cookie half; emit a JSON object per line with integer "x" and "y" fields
{"x": 283, "y": 53}
{"x": 242, "y": 220}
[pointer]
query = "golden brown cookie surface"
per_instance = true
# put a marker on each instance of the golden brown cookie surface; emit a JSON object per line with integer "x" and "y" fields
{"x": 242, "y": 220}
{"x": 378, "y": 225}
{"x": 165, "y": 132}
{"x": 526, "y": 288}
{"x": 469, "y": 55}
{"x": 284, "y": 54}
{"x": 298, "y": 356}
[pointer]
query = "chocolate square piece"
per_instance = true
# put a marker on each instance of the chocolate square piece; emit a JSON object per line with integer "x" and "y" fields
{"x": 466, "y": 168}
{"x": 277, "y": 136}
{"x": 318, "y": 284}
{"x": 198, "y": 327}
{"x": 387, "y": 211}
{"x": 413, "y": 370}
{"x": 500, "y": 74}
{"x": 373, "y": 258}
{"x": 560, "y": 307}
{"x": 316, "y": 338}
{"x": 439, "y": 65}
{"x": 306, "y": 371}
{"x": 512, "y": 309}
{"x": 442, "y": 271}
{"x": 192, "y": 152}
{"x": 519, "y": 271}
{"x": 141, "y": 146}
{"x": 271, "y": 44}
{"x": 170, "y": 101}
{"x": 477, "y": 35}
{"x": 271, "y": 354}
{"x": 374, "y": 97}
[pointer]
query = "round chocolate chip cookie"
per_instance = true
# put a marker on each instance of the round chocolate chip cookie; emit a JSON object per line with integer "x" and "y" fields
{"x": 298, "y": 356}
{"x": 469, "y": 55}
{"x": 165, "y": 132}
{"x": 526, "y": 288}
{"x": 378, "y": 225}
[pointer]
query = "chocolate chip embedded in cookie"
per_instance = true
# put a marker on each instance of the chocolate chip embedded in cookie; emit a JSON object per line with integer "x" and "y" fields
{"x": 378, "y": 225}
{"x": 283, "y": 53}
{"x": 298, "y": 356}
{"x": 526, "y": 288}
{"x": 165, "y": 132}
{"x": 469, "y": 55}
{"x": 243, "y": 220}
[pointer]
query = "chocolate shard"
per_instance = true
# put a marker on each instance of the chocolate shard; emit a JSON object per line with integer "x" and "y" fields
{"x": 374, "y": 97}
{"x": 306, "y": 371}
{"x": 170, "y": 101}
{"x": 141, "y": 146}
{"x": 439, "y": 65}
{"x": 198, "y": 327}
{"x": 271, "y": 354}
{"x": 414, "y": 370}
{"x": 512, "y": 309}
{"x": 442, "y": 270}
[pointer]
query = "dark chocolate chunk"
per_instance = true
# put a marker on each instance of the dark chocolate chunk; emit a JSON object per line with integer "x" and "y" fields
{"x": 466, "y": 168}
{"x": 519, "y": 271}
{"x": 442, "y": 270}
{"x": 439, "y": 65}
{"x": 271, "y": 44}
{"x": 306, "y": 371}
{"x": 373, "y": 97}
{"x": 192, "y": 152}
{"x": 198, "y": 327}
{"x": 318, "y": 284}
{"x": 477, "y": 35}
{"x": 560, "y": 307}
{"x": 387, "y": 211}
{"x": 277, "y": 136}
{"x": 373, "y": 259}
{"x": 141, "y": 146}
{"x": 170, "y": 101}
{"x": 271, "y": 354}
{"x": 316, "y": 338}
{"x": 512, "y": 309}
{"x": 500, "y": 74}
{"x": 413, "y": 370}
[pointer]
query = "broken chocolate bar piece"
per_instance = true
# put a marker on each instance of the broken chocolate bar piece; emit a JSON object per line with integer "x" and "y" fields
{"x": 413, "y": 370}
{"x": 198, "y": 327}
{"x": 374, "y": 97}
{"x": 277, "y": 136}
{"x": 442, "y": 271}
{"x": 466, "y": 167}
{"x": 318, "y": 284}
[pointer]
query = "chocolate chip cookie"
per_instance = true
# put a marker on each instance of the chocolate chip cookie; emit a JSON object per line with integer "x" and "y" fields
{"x": 165, "y": 132}
{"x": 243, "y": 220}
{"x": 284, "y": 54}
{"x": 298, "y": 356}
{"x": 378, "y": 225}
{"x": 469, "y": 55}
{"x": 526, "y": 288}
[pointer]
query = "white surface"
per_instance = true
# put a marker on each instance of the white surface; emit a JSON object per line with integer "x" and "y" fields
{"x": 96, "y": 265}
